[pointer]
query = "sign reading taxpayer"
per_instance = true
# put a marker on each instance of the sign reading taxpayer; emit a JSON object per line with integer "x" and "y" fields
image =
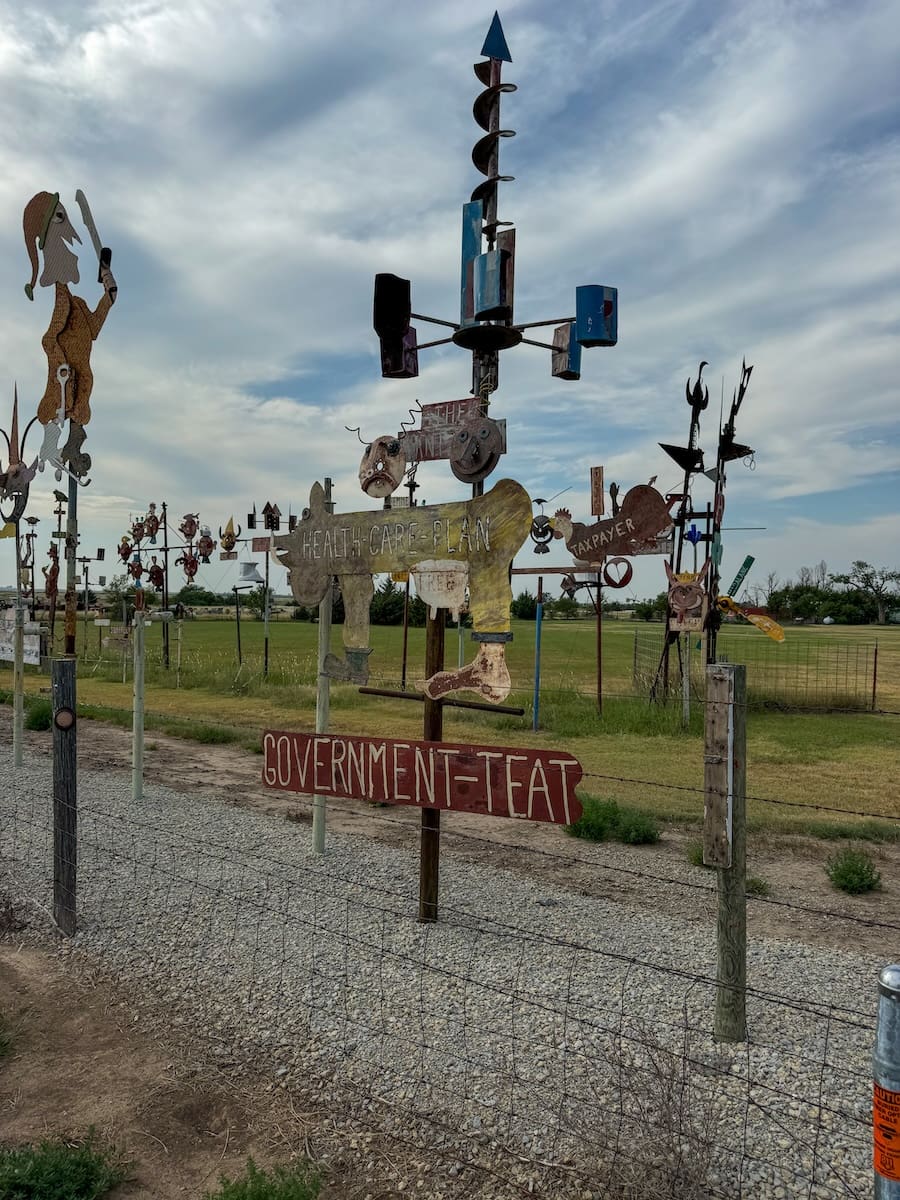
{"x": 533, "y": 785}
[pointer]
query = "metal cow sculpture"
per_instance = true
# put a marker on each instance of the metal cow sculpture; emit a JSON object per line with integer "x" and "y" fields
{"x": 443, "y": 546}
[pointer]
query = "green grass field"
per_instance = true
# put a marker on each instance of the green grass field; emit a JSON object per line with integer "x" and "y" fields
{"x": 843, "y": 760}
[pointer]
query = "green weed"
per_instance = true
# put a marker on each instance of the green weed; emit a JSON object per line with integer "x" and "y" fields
{"x": 296, "y": 1182}
{"x": 607, "y": 820}
{"x": 755, "y": 886}
{"x": 59, "y": 1170}
{"x": 38, "y": 713}
{"x": 852, "y": 870}
{"x": 694, "y": 853}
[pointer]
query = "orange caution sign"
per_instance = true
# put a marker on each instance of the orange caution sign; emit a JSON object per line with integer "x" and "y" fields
{"x": 886, "y": 1132}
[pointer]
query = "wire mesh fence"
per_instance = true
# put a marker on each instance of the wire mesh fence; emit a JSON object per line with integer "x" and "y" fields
{"x": 825, "y": 673}
{"x": 535, "y": 1041}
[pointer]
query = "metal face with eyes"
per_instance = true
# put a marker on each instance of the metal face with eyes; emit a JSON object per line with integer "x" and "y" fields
{"x": 475, "y": 450}
{"x": 382, "y": 467}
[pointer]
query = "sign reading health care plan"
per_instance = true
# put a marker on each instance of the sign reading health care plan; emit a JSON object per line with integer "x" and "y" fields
{"x": 534, "y": 785}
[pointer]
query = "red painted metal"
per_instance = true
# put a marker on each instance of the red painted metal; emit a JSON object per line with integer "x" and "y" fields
{"x": 533, "y": 785}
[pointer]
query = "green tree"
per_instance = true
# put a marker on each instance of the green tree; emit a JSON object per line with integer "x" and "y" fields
{"x": 879, "y": 583}
{"x": 387, "y": 604}
{"x": 255, "y": 601}
{"x": 524, "y": 607}
{"x": 121, "y": 589}
{"x": 194, "y": 596}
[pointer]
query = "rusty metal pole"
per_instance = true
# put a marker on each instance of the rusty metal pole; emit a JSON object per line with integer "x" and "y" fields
{"x": 71, "y": 547}
{"x": 432, "y": 731}
{"x": 538, "y": 621}
{"x": 165, "y": 586}
{"x": 18, "y": 663}
{"x": 599, "y": 646}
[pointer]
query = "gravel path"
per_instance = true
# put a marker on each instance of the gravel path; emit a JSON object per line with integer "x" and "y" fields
{"x": 534, "y": 1038}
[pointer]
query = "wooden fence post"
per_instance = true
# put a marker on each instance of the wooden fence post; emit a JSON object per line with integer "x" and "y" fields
{"x": 65, "y": 795}
{"x": 725, "y": 838}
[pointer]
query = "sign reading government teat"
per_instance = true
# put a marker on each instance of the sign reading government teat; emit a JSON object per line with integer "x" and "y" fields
{"x": 533, "y": 785}
{"x": 447, "y": 548}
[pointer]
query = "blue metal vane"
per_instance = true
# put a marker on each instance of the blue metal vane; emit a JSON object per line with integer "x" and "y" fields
{"x": 495, "y": 43}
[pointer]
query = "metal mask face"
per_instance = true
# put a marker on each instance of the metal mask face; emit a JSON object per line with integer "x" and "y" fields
{"x": 382, "y": 467}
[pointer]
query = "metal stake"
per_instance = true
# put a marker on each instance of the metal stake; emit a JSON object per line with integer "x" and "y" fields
{"x": 137, "y": 728}
{"x": 18, "y": 663}
{"x": 432, "y": 731}
{"x": 323, "y": 688}
{"x": 886, "y": 1078}
{"x": 538, "y": 622}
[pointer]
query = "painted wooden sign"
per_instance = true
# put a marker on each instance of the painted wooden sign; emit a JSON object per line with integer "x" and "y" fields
{"x": 532, "y": 785}
{"x": 643, "y": 516}
{"x": 445, "y": 547}
{"x": 436, "y": 440}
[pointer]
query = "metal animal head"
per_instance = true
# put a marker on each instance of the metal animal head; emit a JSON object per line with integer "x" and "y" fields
{"x": 686, "y": 593}
{"x": 189, "y": 526}
{"x": 228, "y": 538}
{"x": 382, "y": 467}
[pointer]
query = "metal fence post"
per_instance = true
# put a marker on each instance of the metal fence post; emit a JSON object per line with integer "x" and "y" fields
{"x": 323, "y": 689}
{"x": 725, "y": 838}
{"x": 137, "y": 724}
{"x": 886, "y": 1096}
{"x": 65, "y": 795}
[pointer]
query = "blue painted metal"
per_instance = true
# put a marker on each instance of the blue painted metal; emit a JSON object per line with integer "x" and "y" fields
{"x": 566, "y": 357}
{"x": 538, "y": 619}
{"x": 693, "y": 535}
{"x": 472, "y": 219}
{"x": 495, "y": 43}
{"x": 597, "y": 315}
{"x": 489, "y": 282}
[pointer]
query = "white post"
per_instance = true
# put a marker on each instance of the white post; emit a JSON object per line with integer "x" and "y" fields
{"x": 18, "y": 664}
{"x": 323, "y": 692}
{"x": 686, "y": 680}
{"x": 137, "y": 740}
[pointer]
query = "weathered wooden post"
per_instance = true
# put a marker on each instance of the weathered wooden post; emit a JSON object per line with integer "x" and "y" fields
{"x": 323, "y": 688}
{"x": 432, "y": 731}
{"x": 725, "y": 838}
{"x": 886, "y": 1092}
{"x": 65, "y": 795}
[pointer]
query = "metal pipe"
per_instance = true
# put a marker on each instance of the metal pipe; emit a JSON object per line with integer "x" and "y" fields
{"x": 266, "y": 623}
{"x": 137, "y": 725}
{"x": 237, "y": 602}
{"x": 165, "y": 586}
{"x": 394, "y": 694}
{"x": 71, "y": 547}
{"x": 323, "y": 689}
{"x": 18, "y": 663}
{"x": 538, "y": 621}
{"x": 886, "y": 1093}
{"x": 537, "y": 324}
{"x": 434, "y": 320}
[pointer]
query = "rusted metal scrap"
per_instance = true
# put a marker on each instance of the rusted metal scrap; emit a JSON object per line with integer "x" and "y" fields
{"x": 642, "y": 517}
{"x": 444, "y": 547}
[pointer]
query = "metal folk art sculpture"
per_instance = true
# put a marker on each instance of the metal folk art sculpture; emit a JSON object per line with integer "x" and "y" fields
{"x": 73, "y": 327}
{"x": 444, "y": 546}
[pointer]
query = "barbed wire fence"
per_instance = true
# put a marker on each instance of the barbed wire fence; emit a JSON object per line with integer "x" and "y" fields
{"x": 535, "y": 1041}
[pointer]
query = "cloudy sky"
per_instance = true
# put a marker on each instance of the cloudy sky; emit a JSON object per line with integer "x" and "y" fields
{"x": 732, "y": 168}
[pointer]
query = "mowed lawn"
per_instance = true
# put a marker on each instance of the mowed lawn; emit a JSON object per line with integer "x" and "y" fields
{"x": 637, "y": 753}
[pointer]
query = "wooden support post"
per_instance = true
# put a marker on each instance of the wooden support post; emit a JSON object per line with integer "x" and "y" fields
{"x": 725, "y": 838}
{"x": 65, "y": 795}
{"x": 323, "y": 690}
{"x": 432, "y": 731}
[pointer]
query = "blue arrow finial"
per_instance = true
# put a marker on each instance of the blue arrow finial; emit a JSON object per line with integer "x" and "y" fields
{"x": 495, "y": 43}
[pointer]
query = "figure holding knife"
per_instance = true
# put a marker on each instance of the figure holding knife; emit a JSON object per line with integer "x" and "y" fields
{"x": 73, "y": 326}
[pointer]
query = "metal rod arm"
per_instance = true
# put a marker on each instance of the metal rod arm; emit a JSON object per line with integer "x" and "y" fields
{"x": 420, "y": 696}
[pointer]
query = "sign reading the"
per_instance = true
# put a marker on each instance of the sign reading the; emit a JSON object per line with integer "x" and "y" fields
{"x": 534, "y": 785}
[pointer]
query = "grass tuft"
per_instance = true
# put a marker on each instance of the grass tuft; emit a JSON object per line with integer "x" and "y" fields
{"x": 38, "y": 714}
{"x": 694, "y": 853}
{"x": 59, "y": 1170}
{"x": 852, "y": 870}
{"x": 756, "y": 886}
{"x": 295, "y": 1182}
{"x": 607, "y": 820}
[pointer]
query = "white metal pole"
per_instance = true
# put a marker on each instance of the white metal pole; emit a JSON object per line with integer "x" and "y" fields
{"x": 323, "y": 692}
{"x": 137, "y": 757}
{"x": 178, "y": 654}
{"x": 18, "y": 664}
